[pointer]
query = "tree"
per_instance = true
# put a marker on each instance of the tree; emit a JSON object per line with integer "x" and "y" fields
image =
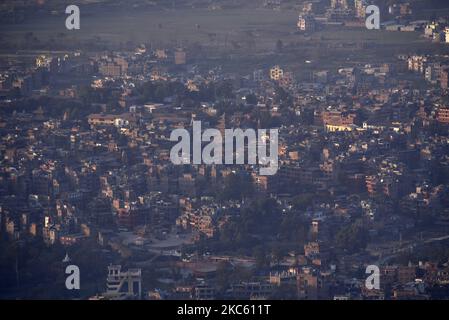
{"x": 225, "y": 90}
{"x": 279, "y": 45}
{"x": 16, "y": 93}
{"x": 251, "y": 99}
{"x": 281, "y": 95}
{"x": 277, "y": 254}
{"x": 237, "y": 187}
{"x": 352, "y": 238}
{"x": 303, "y": 201}
{"x": 224, "y": 273}
{"x": 260, "y": 255}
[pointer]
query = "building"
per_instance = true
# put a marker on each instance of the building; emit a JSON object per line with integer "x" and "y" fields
{"x": 309, "y": 285}
{"x": 360, "y": 8}
{"x": 287, "y": 80}
{"x": 433, "y": 73}
{"x": 283, "y": 278}
{"x": 430, "y": 29}
{"x": 338, "y": 121}
{"x": 161, "y": 54}
{"x": 402, "y": 9}
{"x": 251, "y": 290}
{"x": 110, "y": 70}
{"x": 43, "y": 61}
{"x": 339, "y": 4}
{"x": 203, "y": 291}
{"x": 115, "y": 67}
{"x": 259, "y": 75}
{"x": 276, "y": 73}
{"x": 180, "y": 57}
{"x": 306, "y": 23}
{"x": 446, "y": 35}
{"x": 311, "y": 249}
{"x": 443, "y": 115}
{"x": 110, "y": 120}
{"x": 123, "y": 284}
{"x": 444, "y": 79}
{"x": 417, "y": 63}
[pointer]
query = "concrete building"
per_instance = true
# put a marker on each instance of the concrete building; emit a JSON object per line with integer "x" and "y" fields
{"x": 443, "y": 115}
{"x": 123, "y": 284}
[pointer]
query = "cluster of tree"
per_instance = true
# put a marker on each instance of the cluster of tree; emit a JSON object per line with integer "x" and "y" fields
{"x": 227, "y": 273}
{"x": 260, "y": 222}
{"x": 303, "y": 201}
{"x": 282, "y": 96}
{"x": 30, "y": 269}
{"x": 54, "y": 107}
{"x": 237, "y": 186}
{"x": 436, "y": 252}
{"x": 157, "y": 91}
{"x": 352, "y": 238}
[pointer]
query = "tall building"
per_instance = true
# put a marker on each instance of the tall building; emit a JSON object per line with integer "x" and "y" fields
{"x": 123, "y": 284}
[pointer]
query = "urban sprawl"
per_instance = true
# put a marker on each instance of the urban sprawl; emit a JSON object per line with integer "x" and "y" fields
{"x": 86, "y": 177}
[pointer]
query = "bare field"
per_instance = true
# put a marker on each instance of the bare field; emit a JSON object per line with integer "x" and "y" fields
{"x": 238, "y": 39}
{"x": 256, "y": 30}
{"x": 210, "y": 28}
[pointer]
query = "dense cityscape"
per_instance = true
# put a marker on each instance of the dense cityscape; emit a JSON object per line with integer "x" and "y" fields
{"x": 86, "y": 176}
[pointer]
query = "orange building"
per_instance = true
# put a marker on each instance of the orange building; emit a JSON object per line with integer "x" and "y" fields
{"x": 443, "y": 115}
